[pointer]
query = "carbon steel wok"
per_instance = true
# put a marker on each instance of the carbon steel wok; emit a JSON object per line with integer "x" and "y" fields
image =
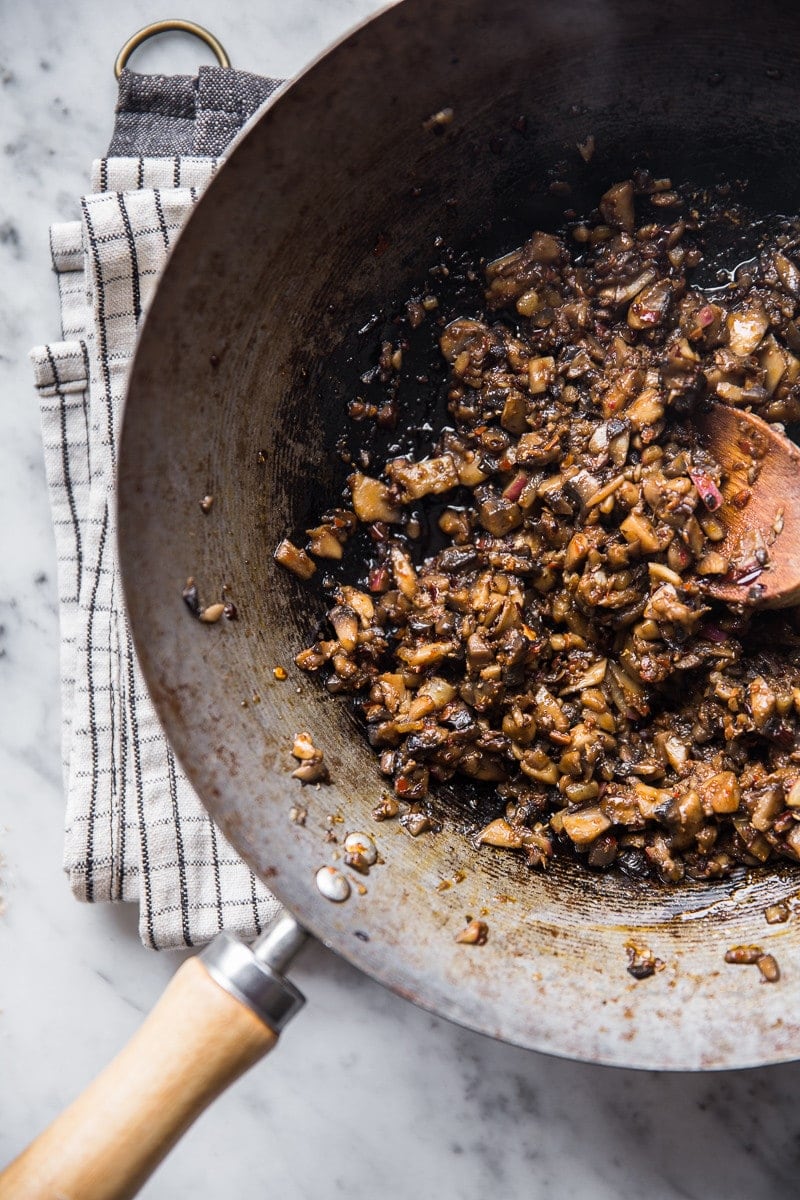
{"x": 326, "y": 209}
{"x": 308, "y": 228}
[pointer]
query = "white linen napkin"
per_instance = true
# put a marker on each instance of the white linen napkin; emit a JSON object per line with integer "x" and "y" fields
{"x": 135, "y": 830}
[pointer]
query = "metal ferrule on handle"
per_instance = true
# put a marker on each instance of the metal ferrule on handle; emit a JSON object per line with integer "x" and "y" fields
{"x": 254, "y": 974}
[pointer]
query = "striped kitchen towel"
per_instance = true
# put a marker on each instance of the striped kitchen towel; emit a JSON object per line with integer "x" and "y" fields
{"x": 135, "y": 830}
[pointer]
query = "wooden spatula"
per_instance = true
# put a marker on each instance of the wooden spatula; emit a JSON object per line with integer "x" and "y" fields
{"x": 761, "y": 509}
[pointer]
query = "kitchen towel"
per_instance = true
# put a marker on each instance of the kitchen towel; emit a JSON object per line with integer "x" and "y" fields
{"x": 135, "y": 829}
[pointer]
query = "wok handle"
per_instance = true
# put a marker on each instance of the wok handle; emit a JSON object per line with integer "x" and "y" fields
{"x": 197, "y": 1040}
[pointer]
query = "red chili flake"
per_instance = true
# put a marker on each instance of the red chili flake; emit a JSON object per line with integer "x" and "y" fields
{"x": 709, "y": 492}
{"x": 517, "y": 486}
{"x": 682, "y": 554}
{"x": 378, "y": 531}
{"x": 713, "y": 633}
{"x": 378, "y": 579}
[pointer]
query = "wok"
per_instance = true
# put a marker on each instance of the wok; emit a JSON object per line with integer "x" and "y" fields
{"x": 325, "y": 212}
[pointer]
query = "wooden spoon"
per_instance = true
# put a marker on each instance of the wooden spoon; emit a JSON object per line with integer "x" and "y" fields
{"x": 768, "y": 503}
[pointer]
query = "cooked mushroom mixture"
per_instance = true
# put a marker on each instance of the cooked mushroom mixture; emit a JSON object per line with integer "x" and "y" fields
{"x": 560, "y": 646}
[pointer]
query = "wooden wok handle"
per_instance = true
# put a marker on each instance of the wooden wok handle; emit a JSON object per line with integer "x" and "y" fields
{"x": 197, "y": 1040}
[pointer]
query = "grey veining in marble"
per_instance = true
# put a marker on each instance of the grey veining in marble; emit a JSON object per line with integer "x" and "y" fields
{"x": 431, "y": 1109}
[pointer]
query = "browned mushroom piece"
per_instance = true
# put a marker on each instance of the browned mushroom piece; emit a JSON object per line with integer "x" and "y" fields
{"x": 565, "y": 645}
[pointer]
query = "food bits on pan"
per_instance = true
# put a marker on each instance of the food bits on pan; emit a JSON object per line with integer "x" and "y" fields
{"x": 554, "y": 642}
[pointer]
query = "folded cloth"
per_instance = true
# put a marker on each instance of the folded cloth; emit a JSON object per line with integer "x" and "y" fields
{"x": 135, "y": 829}
{"x": 177, "y": 115}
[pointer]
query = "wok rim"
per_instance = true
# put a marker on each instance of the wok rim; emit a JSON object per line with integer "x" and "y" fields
{"x": 310, "y": 916}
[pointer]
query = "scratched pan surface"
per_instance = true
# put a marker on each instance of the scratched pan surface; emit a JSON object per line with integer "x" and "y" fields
{"x": 275, "y": 269}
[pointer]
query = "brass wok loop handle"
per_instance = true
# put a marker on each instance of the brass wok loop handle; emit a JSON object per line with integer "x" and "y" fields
{"x": 172, "y": 25}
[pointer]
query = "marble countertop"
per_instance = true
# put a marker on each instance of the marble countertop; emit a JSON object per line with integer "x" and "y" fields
{"x": 367, "y": 1096}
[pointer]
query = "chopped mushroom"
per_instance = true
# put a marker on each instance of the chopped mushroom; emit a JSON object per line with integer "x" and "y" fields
{"x": 372, "y": 500}
{"x": 324, "y": 543}
{"x": 616, "y": 206}
{"x": 743, "y": 955}
{"x": 313, "y": 768}
{"x": 345, "y": 623}
{"x": 500, "y": 833}
{"x": 642, "y": 963}
{"x": 212, "y": 613}
{"x": 312, "y": 772}
{"x": 650, "y": 305}
{"x": 586, "y": 825}
{"x": 536, "y": 612}
{"x": 432, "y": 476}
{"x": 768, "y": 966}
{"x": 294, "y": 559}
{"x": 475, "y": 934}
{"x": 746, "y": 328}
{"x": 755, "y": 956}
{"x": 777, "y": 914}
{"x": 541, "y": 373}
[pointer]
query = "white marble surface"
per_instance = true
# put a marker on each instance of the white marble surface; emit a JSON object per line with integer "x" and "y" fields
{"x": 367, "y": 1096}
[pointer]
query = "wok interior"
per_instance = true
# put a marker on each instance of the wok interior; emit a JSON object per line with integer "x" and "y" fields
{"x": 245, "y": 351}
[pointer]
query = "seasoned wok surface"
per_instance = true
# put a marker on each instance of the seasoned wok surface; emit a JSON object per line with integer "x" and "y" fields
{"x": 222, "y": 374}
